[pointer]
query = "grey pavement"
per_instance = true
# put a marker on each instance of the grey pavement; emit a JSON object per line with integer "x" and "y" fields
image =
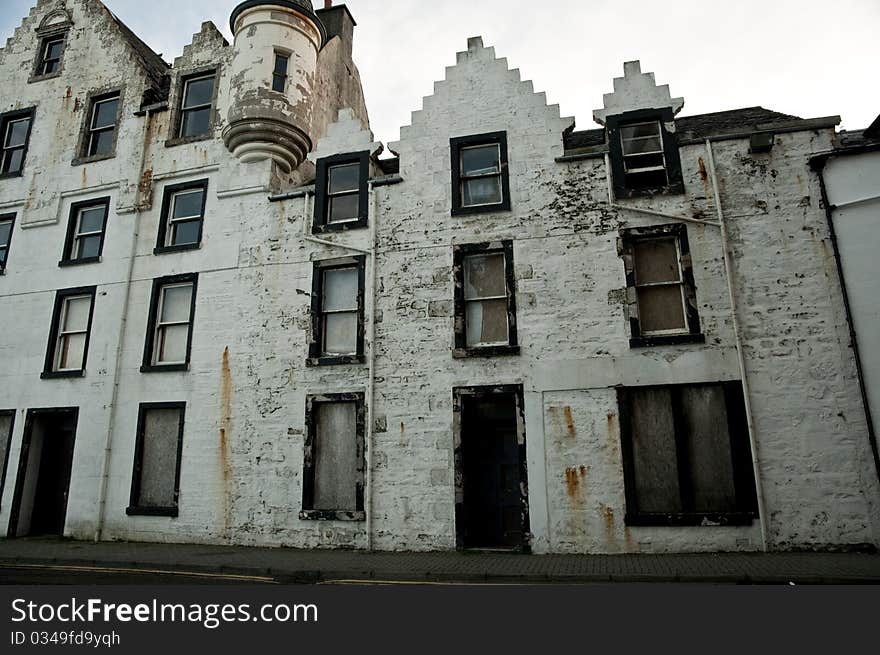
{"x": 281, "y": 565}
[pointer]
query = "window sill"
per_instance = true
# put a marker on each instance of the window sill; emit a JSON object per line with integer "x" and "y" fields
{"x": 486, "y": 351}
{"x": 666, "y": 340}
{"x": 6, "y": 176}
{"x": 674, "y": 189}
{"x": 167, "y": 368}
{"x": 183, "y": 140}
{"x": 704, "y": 519}
{"x": 76, "y": 262}
{"x": 332, "y": 515}
{"x": 163, "y": 250}
{"x": 60, "y": 375}
{"x": 482, "y": 209}
{"x": 324, "y": 228}
{"x": 335, "y": 361}
{"x": 40, "y": 78}
{"x": 79, "y": 161}
{"x": 170, "y": 512}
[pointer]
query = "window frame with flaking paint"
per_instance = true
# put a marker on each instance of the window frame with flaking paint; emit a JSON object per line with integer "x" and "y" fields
{"x": 665, "y": 118}
{"x": 317, "y": 355}
{"x": 461, "y": 253}
{"x": 51, "y": 365}
{"x": 324, "y": 198}
{"x": 456, "y": 146}
{"x": 308, "y": 512}
{"x": 691, "y": 332}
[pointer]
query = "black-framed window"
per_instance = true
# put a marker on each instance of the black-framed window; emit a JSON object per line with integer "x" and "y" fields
{"x": 644, "y": 153}
{"x": 342, "y": 192}
{"x": 183, "y": 215}
{"x": 50, "y": 55}
{"x": 485, "y": 300}
{"x": 7, "y": 223}
{"x": 170, "y": 325}
{"x": 155, "y": 479}
{"x": 196, "y": 105}
{"x": 662, "y": 296}
{"x": 15, "y": 131}
{"x": 69, "y": 334}
{"x": 686, "y": 455}
{"x": 338, "y": 312}
{"x": 102, "y": 126}
{"x": 333, "y": 458}
{"x": 85, "y": 232}
{"x": 7, "y": 423}
{"x": 480, "y": 180}
{"x": 279, "y": 72}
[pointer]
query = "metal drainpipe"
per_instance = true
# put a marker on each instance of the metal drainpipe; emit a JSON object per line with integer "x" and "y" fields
{"x": 741, "y": 356}
{"x": 123, "y": 322}
{"x": 371, "y": 393}
{"x": 728, "y": 267}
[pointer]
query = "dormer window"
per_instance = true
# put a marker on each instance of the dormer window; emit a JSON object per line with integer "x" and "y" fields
{"x": 341, "y": 192}
{"x": 644, "y": 154}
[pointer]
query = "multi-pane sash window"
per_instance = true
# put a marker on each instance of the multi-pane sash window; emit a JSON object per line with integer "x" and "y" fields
{"x": 50, "y": 56}
{"x": 485, "y": 297}
{"x": 643, "y": 155}
{"x": 69, "y": 334}
{"x": 279, "y": 74}
{"x": 343, "y": 193}
{"x": 6, "y": 223}
{"x": 173, "y": 324}
{"x": 86, "y": 236}
{"x": 660, "y": 286}
{"x": 481, "y": 175}
{"x": 102, "y": 126}
{"x": 155, "y": 481}
{"x": 195, "y": 105}
{"x": 485, "y": 306}
{"x": 340, "y": 311}
{"x": 185, "y": 217}
{"x": 480, "y": 181}
{"x": 16, "y": 132}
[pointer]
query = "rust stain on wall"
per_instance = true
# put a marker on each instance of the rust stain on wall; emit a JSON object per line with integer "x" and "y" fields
{"x": 574, "y": 477}
{"x": 225, "y": 423}
{"x": 569, "y": 423}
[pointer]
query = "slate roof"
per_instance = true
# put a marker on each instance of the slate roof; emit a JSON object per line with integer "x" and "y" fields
{"x": 696, "y": 127}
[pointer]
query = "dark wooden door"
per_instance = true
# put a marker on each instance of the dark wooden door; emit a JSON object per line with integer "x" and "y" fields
{"x": 491, "y": 464}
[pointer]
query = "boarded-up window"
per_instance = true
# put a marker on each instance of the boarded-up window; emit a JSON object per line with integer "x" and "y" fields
{"x": 687, "y": 454}
{"x": 662, "y": 303}
{"x": 155, "y": 480}
{"x": 6, "y": 422}
{"x": 485, "y": 305}
{"x": 333, "y": 480}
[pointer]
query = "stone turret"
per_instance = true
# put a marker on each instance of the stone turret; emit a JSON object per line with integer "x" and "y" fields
{"x": 270, "y": 114}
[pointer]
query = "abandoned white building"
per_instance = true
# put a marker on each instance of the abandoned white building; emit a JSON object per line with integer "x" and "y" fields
{"x": 225, "y": 318}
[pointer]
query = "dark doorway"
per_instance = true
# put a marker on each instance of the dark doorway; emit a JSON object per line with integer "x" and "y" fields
{"x": 43, "y": 481}
{"x": 491, "y": 489}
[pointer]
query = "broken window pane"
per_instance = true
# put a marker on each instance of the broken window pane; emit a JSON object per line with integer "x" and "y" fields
{"x": 484, "y": 276}
{"x": 486, "y": 322}
{"x": 656, "y": 260}
{"x": 704, "y": 416}
{"x": 158, "y": 470}
{"x": 661, "y": 309}
{"x": 335, "y": 456}
{"x": 654, "y": 450}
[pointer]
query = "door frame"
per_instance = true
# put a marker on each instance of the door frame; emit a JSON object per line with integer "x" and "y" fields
{"x": 458, "y": 396}
{"x": 32, "y": 415}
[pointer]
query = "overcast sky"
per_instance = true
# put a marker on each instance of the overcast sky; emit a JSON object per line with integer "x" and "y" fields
{"x": 800, "y": 57}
